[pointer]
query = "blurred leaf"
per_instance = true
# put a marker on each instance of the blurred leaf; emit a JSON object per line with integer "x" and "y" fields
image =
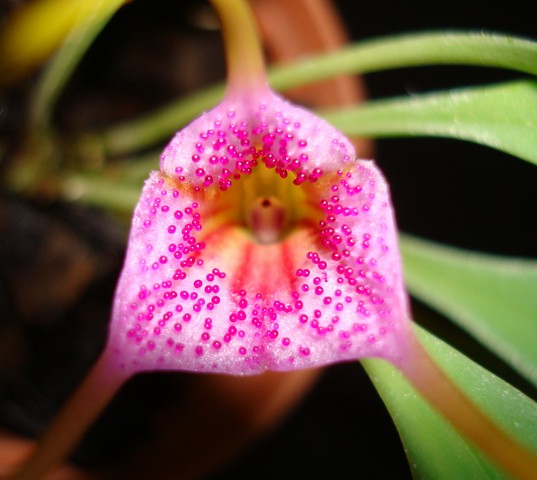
{"x": 145, "y": 131}
{"x": 501, "y": 116}
{"x": 434, "y": 449}
{"x": 487, "y": 50}
{"x": 492, "y": 297}
{"x": 117, "y": 187}
{"x": 37, "y": 29}
{"x": 92, "y": 16}
{"x": 100, "y": 191}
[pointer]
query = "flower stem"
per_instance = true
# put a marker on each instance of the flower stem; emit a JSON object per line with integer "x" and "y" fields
{"x": 84, "y": 406}
{"x": 244, "y": 54}
{"x": 433, "y": 384}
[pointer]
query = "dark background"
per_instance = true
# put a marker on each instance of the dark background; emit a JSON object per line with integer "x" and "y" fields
{"x": 455, "y": 192}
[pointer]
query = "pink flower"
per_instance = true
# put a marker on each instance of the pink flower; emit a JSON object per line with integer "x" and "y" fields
{"x": 262, "y": 243}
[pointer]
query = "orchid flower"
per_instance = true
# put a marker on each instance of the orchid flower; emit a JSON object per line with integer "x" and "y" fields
{"x": 262, "y": 243}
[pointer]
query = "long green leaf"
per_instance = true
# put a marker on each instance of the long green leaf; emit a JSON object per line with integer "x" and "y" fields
{"x": 140, "y": 133}
{"x": 487, "y": 50}
{"x": 434, "y": 449}
{"x": 411, "y": 50}
{"x": 117, "y": 187}
{"x": 101, "y": 191}
{"x": 501, "y": 116}
{"x": 492, "y": 297}
{"x": 93, "y": 16}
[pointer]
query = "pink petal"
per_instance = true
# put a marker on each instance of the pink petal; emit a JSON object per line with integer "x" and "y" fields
{"x": 204, "y": 297}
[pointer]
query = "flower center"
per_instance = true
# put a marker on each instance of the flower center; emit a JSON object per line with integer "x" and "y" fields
{"x": 271, "y": 206}
{"x": 266, "y": 219}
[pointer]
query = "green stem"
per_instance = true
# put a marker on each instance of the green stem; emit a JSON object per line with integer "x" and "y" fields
{"x": 84, "y": 406}
{"x": 433, "y": 384}
{"x": 244, "y": 55}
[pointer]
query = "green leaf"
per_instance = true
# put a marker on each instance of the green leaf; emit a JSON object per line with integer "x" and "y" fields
{"x": 99, "y": 190}
{"x": 116, "y": 187}
{"x": 487, "y": 50}
{"x": 492, "y": 297}
{"x": 142, "y": 132}
{"x": 501, "y": 116}
{"x": 434, "y": 449}
{"x": 411, "y": 50}
{"x": 91, "y": 17}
